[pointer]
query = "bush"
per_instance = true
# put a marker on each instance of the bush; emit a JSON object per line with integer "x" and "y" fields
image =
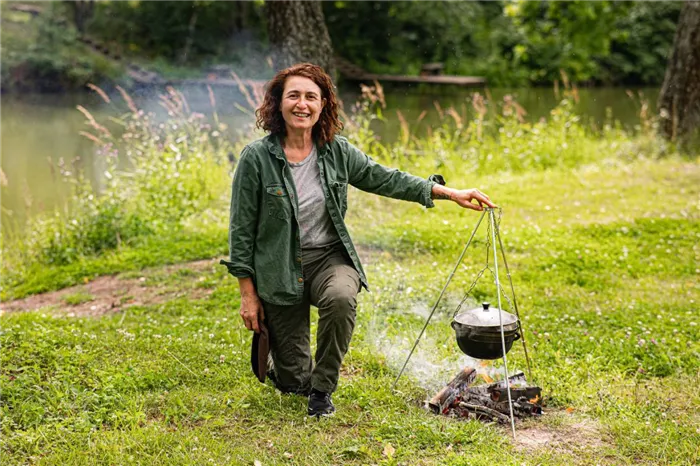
{"x": 44, "y": 54}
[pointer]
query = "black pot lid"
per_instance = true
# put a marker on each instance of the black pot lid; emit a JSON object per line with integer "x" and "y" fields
{"x": 487, "y": 317}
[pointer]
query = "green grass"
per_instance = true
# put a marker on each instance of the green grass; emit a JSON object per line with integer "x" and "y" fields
{"x": 78, "y": 298}
{"x": 605, "y": 265}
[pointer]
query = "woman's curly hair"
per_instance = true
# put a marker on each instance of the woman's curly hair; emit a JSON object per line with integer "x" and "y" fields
{"x": 269, "y": 116}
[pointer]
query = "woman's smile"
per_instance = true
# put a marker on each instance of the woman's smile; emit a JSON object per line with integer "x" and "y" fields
{"x": 301, "y": 104}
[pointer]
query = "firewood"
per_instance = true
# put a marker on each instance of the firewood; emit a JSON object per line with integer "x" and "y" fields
{"x": 444, "y": 398}
{"x": 484, "y": 411}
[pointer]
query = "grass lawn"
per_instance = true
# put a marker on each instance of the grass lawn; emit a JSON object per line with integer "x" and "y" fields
{"x": 605, "y": 265}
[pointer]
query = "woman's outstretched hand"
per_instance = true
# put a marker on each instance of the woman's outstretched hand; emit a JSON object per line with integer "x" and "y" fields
{"x": 467, "y": 198}
{"x": 472, "y": 199}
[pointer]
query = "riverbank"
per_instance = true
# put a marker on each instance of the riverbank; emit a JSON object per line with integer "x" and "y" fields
{"x": 41, "y": 53}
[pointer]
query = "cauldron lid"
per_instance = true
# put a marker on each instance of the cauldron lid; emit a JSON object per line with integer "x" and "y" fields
{"x": 486, "y": 316}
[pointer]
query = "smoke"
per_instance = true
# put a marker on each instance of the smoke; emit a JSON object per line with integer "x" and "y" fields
{"x": 436, "y": 359}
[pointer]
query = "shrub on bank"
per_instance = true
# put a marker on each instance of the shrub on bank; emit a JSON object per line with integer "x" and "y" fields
{"x": 43, "y": 54}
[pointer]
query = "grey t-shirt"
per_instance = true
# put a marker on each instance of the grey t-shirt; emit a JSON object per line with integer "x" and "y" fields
{"x": 317, "y": 228}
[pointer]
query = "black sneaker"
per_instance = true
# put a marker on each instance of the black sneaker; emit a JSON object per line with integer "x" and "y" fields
{"x": 320, "y": 404}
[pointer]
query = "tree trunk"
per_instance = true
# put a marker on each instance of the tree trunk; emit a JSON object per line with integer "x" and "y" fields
{"x": 679, "y": 100}
{"x": 297, "y": 32}
{"x": 82, "y": 12}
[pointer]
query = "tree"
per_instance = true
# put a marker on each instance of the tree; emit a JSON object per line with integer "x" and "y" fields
{"x": 566, "y": 36}
{"x": 297, "y": 33}
{"x": 679, "y": 100}
{"x": 83, "y": 11}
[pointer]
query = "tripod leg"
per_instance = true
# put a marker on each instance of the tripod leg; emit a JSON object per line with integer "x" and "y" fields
{"x": 500, "y": 319}
{"x": 393, "y": 386}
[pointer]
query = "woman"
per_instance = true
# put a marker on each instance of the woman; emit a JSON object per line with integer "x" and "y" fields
{"x": 289, "y": 246}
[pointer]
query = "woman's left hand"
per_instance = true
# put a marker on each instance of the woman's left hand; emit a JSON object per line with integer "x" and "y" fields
{"x": 471, "y": 199}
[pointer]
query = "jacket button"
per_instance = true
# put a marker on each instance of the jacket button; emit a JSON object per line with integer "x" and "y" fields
{"x": 300, "y": 280}
{"x": 298, "y": 259}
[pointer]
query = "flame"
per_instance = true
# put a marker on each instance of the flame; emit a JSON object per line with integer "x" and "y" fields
{"x": 535, "y": 400}
{"x": 486, "y": 378}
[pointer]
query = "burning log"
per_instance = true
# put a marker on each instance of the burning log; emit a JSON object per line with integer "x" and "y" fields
{"x": 446, "y": 397}
{"x": 488, "y": 401}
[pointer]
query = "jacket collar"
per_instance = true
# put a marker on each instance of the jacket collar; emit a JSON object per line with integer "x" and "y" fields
{"x": 274, "y": 146}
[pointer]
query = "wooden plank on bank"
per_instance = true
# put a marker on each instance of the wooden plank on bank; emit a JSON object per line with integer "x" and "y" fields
{"x": 471, "y": 81}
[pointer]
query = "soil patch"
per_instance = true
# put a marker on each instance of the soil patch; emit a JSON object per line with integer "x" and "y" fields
{"x": 113, "y": 293}
{"x": 568, "y": 436}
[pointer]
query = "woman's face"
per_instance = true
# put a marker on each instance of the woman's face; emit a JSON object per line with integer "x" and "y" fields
{"x": 302, "y": 103}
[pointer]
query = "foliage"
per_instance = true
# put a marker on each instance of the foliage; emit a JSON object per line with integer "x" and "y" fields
{"x": 43, "y": 54}
{"x": 414, "y": 32}
{"x": 219, "y": 31}
{"x": 510, "y": 43}
{"x": 495, "y": 137}
{"x": 640, "y": 48}
{"x": 563, "y": 36}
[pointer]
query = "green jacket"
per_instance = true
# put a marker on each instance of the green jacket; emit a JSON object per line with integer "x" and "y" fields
{"x": 263, "y": 231}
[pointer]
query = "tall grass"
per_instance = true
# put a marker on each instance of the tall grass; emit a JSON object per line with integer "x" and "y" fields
{"x": 159, "y": 176}
{"x": 154, "y": 177}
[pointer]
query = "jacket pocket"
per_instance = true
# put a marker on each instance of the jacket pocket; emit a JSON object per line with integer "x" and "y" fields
{"x": 278, "y": 202}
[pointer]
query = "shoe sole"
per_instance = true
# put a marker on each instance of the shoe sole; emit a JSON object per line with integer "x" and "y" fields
{"x": 320, "y": 415}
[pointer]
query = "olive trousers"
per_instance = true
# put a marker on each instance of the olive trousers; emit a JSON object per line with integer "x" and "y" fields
{"x": 331, "y": 284}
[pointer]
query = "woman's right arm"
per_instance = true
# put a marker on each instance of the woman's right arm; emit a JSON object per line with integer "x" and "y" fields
{"x": 245, "y": 202}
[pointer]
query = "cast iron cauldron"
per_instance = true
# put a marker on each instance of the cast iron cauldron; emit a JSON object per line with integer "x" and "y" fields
{"x": 479, "y": 332}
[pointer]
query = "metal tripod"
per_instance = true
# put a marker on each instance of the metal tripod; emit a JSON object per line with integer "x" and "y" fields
{"x": 495, "y": 234}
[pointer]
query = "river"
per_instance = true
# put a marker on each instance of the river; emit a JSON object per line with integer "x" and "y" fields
{"x": 39, "y": 130}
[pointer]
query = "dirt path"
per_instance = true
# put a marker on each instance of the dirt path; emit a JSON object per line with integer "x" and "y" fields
{"x": 112, "y": 293}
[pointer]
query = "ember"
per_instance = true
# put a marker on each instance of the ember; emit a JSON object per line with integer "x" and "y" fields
{"x": 487, "y": 402}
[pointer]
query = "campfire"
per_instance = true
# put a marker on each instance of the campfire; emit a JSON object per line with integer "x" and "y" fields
{"x": 487, "y": 402}
{"x": 486, "y": 333}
